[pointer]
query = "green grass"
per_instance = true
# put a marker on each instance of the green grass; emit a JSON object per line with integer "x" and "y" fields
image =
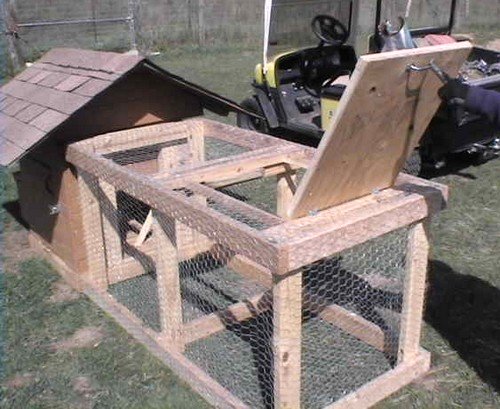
{"x": 119, "y": 371}
{"x": 463, "y": 309}
{"x": 226, "y": 71}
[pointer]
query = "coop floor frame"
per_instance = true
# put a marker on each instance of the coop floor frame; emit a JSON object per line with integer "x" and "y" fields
{"x": 275, "y": 259}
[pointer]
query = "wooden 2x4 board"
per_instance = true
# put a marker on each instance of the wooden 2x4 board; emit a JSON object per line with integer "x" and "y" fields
{"x": 382, "y": 116}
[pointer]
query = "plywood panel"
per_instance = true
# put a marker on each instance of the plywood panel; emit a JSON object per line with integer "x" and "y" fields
{"x": 40, "y": 188}
{"x": 381, "y": 119}
{"x": 136, "y": 100}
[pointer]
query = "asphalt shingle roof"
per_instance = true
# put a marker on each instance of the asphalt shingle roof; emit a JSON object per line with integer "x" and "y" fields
{"x": 47, "y": 93}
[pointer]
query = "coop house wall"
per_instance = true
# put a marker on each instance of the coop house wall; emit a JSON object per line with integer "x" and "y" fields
{"x": 48, "y": 191}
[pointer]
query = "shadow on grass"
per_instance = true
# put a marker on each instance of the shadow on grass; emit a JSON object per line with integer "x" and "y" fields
{"x": 14, "y": 209}
{"x": 456, "y": 165}
{"x": 465, "y": 310}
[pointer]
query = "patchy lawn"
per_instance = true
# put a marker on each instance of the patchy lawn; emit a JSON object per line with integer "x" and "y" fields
{"x": 63, "y": 352}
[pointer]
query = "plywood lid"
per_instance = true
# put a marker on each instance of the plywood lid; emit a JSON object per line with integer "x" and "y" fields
{"x": 380, "y": 121}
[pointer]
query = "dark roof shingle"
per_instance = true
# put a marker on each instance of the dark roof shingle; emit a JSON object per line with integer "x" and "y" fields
{"x": 47, "y": 93}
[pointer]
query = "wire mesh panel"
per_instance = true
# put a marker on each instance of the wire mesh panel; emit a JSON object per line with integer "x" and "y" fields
{"x": 367, "y": 281}
{"x": 181, "y": 239}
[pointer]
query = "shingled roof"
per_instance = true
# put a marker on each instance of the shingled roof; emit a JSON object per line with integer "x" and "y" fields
{"x": 47, "y": 93}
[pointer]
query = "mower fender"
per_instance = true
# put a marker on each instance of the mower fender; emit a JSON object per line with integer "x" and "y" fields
{"x": 267, "y": 108}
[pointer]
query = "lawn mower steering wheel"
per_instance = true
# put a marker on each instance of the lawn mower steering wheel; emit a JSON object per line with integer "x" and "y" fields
{"x": 329, "y": 30}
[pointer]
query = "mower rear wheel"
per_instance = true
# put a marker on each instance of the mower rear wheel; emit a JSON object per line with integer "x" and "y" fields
{"x": 249, "y": 122}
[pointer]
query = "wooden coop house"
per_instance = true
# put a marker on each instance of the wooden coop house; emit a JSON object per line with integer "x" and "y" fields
{"x": 69, "y": 95}
{"x": 267, "y": 274}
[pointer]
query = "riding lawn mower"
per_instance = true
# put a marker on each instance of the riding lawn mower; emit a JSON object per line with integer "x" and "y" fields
{"x": 298, "y": 86}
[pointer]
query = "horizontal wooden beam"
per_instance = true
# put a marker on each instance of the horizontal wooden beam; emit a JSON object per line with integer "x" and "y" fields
{"x": 260, "y": 173}
{"x": 210, "y": 324}
{"x": 329, "y": 232}
{"x": 199, "y": 380}
{"x": 216, "y": 226}
{"x": 232, "y": 166}
{"x": 349, "y": 322}
{"x": 235, "y": 205}
{"x": 386, "y": 384}
{"x": 342, "y": 318}
{"x": 137, "y": 137}
{"x": 248, "y": 139}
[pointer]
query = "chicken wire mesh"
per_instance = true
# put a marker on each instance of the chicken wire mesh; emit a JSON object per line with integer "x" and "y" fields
{"x": 226, "y": 314}
{"x": 367, "y": 280}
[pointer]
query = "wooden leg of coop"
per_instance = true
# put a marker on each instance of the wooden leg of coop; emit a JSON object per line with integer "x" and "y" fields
{"x": 168, "y": 282}
{"x": 189, "y": 241}
{"x": 287, "y": 310}
{"x": 111, "y": 226}
{"x": 92, "y": 230}
{"x": 286, "y": 189}
{"x": 196, "y": 144}
{"x": 413, "y": 304}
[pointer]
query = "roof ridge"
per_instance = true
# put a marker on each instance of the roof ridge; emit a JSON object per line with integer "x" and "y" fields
{"x": 90, "y": 70}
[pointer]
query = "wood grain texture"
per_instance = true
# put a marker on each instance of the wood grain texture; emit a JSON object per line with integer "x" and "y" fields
{"x": 286, "y": 187}
{"x": 168, "y": 281}
{"x": 414, "y": 293}
{"x": 210, "y": 324}
{"x": 312, "y": 238}
{"x": 385, "y": 385}
{"x": 287, "y": 340}
{"x": 93, "y": 232}
{"x": 380, "y": 121}
{"x": 231, "y": 233}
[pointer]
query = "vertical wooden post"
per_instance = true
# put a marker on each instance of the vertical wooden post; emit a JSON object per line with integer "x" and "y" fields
{"x": 287, "y": 309}
{"x": 414, "y": 293}
{"x": 168, "y": 281}
{"x": 92, "y": 231}
{"x": 196, "y": 143}
{"x": 111, "y": 226}
{"x": 194, "y": 239}
{"x": 286, "y": 189}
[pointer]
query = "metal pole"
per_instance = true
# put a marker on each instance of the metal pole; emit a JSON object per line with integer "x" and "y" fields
{"x": 132, "y": 20}
{"x": 81, "y": 21}
{"x": 94, "y": 17}
{"x": 201, "y": 22}
{"x": 11, "y": 32}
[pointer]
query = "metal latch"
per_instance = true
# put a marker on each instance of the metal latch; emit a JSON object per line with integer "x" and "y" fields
{"x": 55, "y": 209}
{"x": 432, "y": 66}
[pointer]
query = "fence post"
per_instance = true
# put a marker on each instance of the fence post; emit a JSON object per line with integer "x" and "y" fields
{"x": 11, "y": 32}
{"x": 132, "y": 21}
{"x": 201, "y": 22}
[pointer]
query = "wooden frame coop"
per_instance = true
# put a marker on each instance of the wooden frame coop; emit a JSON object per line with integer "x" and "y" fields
{"x": 186, "y": 226}
{"x": 325, "y": 272}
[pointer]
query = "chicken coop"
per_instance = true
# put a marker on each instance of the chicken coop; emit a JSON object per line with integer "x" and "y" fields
{"x": 73, "y": 94}
{"x": 264, "y": 273}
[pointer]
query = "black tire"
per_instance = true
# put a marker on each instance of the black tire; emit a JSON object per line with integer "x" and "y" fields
{"x": 249, "y": 122}
{"x": 480, "y": 158}
{"x": 413, "y": 165}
